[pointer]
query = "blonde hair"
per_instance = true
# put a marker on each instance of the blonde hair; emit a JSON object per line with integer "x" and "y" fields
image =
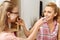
{"x": 3, "y": 15}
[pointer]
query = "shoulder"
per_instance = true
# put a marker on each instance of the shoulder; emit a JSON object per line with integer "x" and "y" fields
{"x": 7, "y": 36}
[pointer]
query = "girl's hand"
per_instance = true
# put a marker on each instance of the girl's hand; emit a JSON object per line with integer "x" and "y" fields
{"x": 41, "y": 21}
{"x": 20, "y": 22}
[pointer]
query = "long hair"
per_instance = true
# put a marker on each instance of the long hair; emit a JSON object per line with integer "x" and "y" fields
{"x": 3, "y": 15}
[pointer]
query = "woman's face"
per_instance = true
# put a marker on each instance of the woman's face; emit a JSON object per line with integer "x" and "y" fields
{"x": 49, "y": 13}
{"x": 14, "y": 14}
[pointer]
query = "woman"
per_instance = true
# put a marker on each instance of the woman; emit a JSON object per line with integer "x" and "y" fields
{"x": 5, "y": 33}
{"x": 50, "y": 29}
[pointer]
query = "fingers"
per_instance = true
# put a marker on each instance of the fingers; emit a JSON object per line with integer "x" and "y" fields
{"x": 20, "y": 22}
{"x": 44, "y": 19}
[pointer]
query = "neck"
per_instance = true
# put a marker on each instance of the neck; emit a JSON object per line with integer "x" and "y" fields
{"x": 9, "y": 20}
{"x": 50, "y": 21}
{"x": 7, "y": 30}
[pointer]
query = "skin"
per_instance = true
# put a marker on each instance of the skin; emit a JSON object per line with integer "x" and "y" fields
{"x": 12, "y": 16}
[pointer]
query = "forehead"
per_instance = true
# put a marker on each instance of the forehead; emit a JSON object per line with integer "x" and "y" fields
{"x": 15, "y": 9}
{"x": 48, "y": 8}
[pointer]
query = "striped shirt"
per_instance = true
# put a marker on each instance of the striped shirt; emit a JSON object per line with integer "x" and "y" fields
{"x": 45, "y": 34}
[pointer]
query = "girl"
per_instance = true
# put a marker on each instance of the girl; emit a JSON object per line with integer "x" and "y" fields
{"x": 49, "y": 30}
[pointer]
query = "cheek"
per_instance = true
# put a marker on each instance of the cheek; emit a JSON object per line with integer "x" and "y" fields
{"x": 12, "y": 17}
{"x": 50, "y": 16}
{"x": 15, "y": 16}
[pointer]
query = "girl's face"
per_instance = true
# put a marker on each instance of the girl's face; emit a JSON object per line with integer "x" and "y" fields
{"x": 14, "y": 14}
{"x": 49, "y": 13}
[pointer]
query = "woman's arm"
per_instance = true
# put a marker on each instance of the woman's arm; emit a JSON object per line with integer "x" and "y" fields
{"x": 35, "y": 31}
{"x": 26, "y": 32}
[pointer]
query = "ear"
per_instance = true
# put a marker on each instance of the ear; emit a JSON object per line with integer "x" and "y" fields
{"x": 55, "y": 14}
{"x": 8, "y": 14}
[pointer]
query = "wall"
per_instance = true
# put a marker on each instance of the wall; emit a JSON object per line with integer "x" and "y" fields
{"x": 29, "y": 11}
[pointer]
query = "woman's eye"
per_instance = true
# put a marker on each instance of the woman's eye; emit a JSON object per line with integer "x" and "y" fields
{"x": 49, "y": 12}
{"x": 44, "y": 11}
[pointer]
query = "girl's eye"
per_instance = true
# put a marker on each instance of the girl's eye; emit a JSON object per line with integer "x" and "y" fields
{"x": 14, "y": 12}
{"x": 49, "y": 12}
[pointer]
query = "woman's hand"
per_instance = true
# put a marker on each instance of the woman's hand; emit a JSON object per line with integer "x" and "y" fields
{"x": 20, "y": 22}
{"x": 41, "y": 21}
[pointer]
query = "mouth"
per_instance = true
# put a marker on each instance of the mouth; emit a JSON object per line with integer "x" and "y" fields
{"x": 47, "y": 16}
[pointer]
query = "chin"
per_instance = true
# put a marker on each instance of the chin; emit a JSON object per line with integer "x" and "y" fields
{"x": 48, "y": 19}
{"x": 13, "y": 21}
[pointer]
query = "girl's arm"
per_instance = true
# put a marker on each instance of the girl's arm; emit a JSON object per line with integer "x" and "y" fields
{"x": 37, "y": 25}
{"x": 26, "y": 32}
